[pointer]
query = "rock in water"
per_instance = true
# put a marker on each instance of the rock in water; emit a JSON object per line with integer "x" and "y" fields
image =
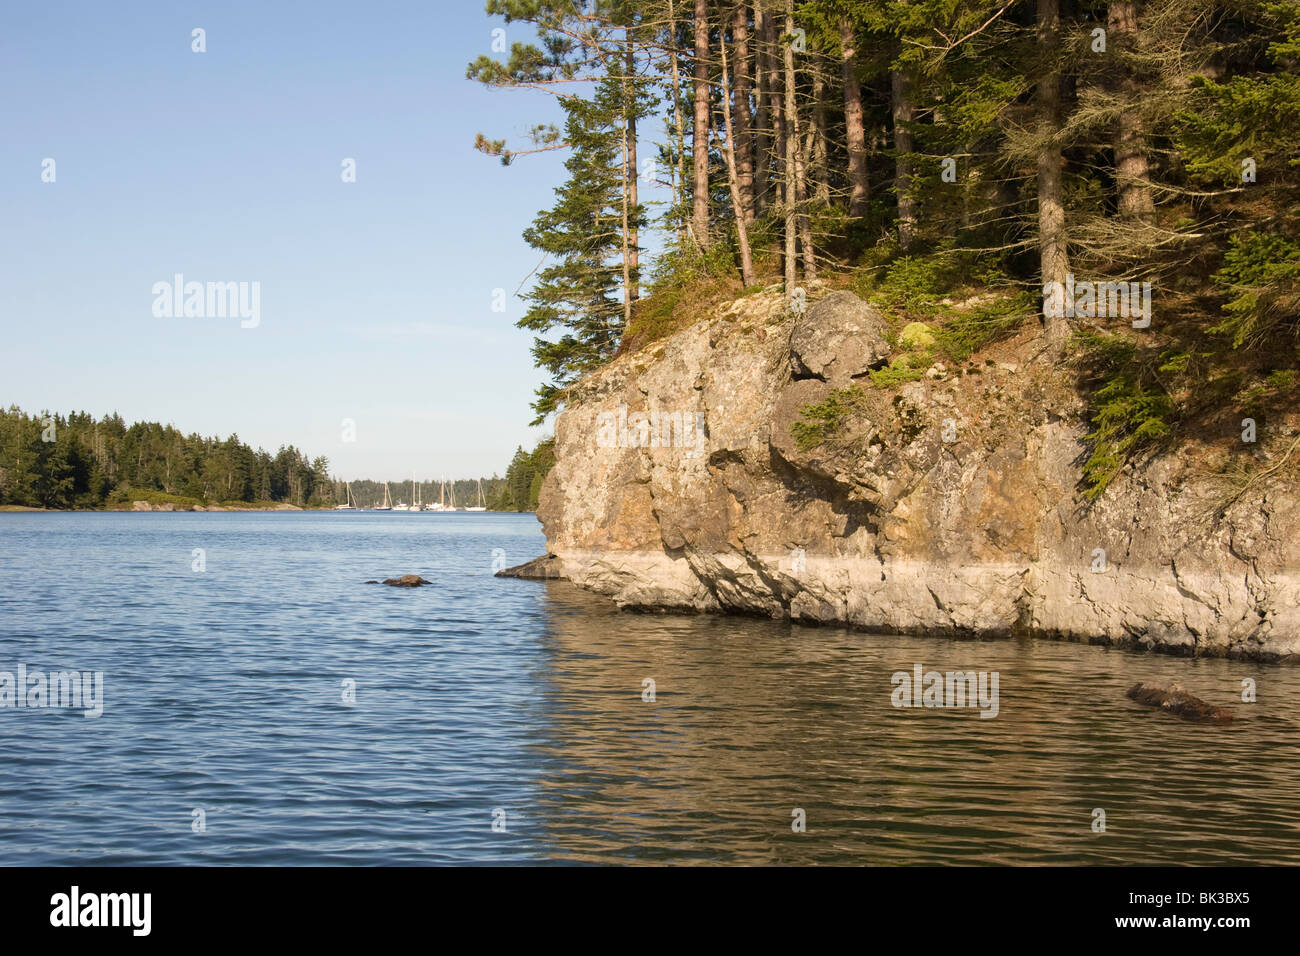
{"x": 405, "y": 581}
{"x": 1174, "y": 698}
{"x": 544, "y": 568}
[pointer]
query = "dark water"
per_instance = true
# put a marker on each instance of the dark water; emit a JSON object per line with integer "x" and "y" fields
{"x": 224, "y": 693}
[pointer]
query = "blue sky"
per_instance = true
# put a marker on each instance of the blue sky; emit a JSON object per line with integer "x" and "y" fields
{"x": 376, "y": 296}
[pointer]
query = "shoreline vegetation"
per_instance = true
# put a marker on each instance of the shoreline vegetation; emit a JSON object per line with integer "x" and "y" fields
{"x": 973, "y": 167}
{"x": 76, "y": 462}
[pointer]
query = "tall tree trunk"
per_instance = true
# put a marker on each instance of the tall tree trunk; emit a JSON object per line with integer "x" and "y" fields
{"x": 740, "y": 114}
{"x": 774, "y": 86}
{"x": 733, "y": 178}
{"x": 903, "y": 110}
{"x": 817, "y": 166}
{"x": 1053, "y": 252}
{"x": 627, "y": 258}
{"x": 788, "y": 135}
{"x": 677, "y": 121}
{"x": 855, "y": 131}
{"x": 762, "y": 114}
{"x": 700, "y": 137}
{"x": 629, "y": 99}
{"x": 804, "y": 148}
{"x": 1132, "y": 174}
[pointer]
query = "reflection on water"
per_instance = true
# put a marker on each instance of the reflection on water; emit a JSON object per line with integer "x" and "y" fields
{"x": 753, "y": 719}
{"x": 479, "y": 695}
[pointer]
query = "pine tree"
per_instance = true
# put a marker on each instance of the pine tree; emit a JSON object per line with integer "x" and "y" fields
{"x": 579, "y": 292}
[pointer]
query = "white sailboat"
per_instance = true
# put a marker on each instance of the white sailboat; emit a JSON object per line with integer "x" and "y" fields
{"x": 351, "y": 505}
{"x": 402, "y": 505}
{"x": 482, "y": 505}
{"x": 388, "y": 502}
{"x": 442, "y": 503}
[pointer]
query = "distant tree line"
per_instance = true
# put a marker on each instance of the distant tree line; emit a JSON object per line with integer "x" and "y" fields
{"x": 78, "y": 461}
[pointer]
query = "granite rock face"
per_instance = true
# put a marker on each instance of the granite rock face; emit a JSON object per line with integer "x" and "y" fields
{"x": 950, "y": 504}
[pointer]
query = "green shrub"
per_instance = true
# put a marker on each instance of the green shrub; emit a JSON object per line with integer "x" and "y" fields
{"x": 964, "y": 335}
{"x": 1131, "y": 410}
{"x": 904, "y": 368}
{"x": 1262, "y": 273}
{"x": 824, "y": 421}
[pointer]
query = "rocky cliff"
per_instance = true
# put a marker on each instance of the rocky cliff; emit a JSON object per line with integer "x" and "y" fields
{"x": 947, "y": 504}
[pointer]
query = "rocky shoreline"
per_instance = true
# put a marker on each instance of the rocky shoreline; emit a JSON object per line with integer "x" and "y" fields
{"x": 947, "y": 505}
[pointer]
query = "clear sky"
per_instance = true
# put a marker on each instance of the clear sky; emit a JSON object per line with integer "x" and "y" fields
{"x": 375, "y": 296}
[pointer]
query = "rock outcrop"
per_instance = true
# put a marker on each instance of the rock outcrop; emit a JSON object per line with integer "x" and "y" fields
{"x": 545, "y": 568}
{"x": 950, "y": 504}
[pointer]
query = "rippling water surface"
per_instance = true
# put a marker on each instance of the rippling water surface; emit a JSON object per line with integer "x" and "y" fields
{"x": 224, "y": 693}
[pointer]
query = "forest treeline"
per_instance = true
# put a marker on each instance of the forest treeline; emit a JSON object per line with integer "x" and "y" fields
{"x": 934, "y": 145}
{"x": 77, "y": 461}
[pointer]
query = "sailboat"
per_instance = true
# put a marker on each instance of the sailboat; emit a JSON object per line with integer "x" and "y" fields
{"x": 388, "y": 502}
{"x": 482, "y": 506}
{"x": 435, "y": 505}
{"x": 442, "y": 504}
{"x": 351, "y": 505}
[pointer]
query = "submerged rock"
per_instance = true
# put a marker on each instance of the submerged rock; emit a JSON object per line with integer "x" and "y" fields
{"x": 1172, "y": 697}
{"x": 405, "y": 581}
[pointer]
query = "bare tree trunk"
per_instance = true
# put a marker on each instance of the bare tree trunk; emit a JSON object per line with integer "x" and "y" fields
{"x": 627, "y": 259}
{"x": 1132, "y": 173}
{"x": 700, "y": 137}
{"x": 680, "y": 185}
{"x": 903, "y": 110}
{"x": 775, "y": 102}
{"x": 788, "y": 136}
{"x": 744, "y": 138}
{"x": 801, "y": 163}
{"x": 1053, "y": 253}
{"x": 855, "y": 132}
{"x": 634, "y": 237}
{"x": 733, "y": 179}
{"x": 762, "y": 114}
{"x": 817, "y": 165}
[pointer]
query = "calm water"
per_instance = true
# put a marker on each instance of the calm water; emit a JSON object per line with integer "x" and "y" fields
{"x": 224, "y": 693}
